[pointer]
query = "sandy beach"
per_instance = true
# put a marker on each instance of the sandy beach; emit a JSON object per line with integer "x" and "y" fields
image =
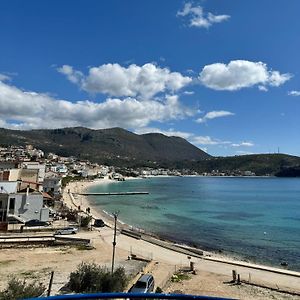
{"x": 216, "y": 265}
{"x": 212, "y": 276}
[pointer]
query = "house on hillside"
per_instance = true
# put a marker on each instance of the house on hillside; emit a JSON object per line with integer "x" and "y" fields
{"x": 32, "y": 165}
{"x": 59, "y": 168}
{"x": 29, "y": 177}
{"x": 20, "y": 205}
{"x": 52, "y": 183}
{"x": 8, "y": 165}
{"x": 10, "y": 175}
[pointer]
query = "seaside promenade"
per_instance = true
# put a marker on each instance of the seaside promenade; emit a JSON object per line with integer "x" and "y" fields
{"x": 217, "y": 266}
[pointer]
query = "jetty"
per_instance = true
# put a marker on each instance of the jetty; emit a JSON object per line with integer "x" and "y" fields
{"x": 113, "y": 194}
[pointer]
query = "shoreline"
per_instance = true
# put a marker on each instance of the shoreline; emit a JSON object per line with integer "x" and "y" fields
{"x": 211, "y": 254}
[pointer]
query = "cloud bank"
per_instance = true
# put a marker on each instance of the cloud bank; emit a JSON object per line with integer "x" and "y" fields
{"x": 26, "y": 110}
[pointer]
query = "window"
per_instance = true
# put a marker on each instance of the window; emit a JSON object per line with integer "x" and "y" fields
{"x": 12, "y": 203}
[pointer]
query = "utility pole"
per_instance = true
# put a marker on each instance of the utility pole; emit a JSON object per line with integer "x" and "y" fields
{"x": 50, "y": 284}
{"x": 115, "y": 214}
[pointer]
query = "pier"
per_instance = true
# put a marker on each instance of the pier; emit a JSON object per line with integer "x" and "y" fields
{"x": 114, "y": 194}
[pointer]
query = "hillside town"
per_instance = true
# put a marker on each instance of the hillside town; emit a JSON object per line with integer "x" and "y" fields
{"x": 31, "y": 182}
{"x": 42, "y": 197}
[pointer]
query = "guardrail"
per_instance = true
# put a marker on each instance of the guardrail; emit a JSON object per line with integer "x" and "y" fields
{"x": 129, "y": 296}
{"x": 21, "y": 239}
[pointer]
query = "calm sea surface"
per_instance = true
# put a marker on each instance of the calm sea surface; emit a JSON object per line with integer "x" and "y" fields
{"x": 253, "y": 218}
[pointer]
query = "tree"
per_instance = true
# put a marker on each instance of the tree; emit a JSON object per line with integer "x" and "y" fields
{"x": 18, "y": 289}
{"x": 85, "y": 221}
{"x": 89, "y": 278}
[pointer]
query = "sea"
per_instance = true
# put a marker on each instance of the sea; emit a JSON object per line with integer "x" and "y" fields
{"x": 255, "y": 219}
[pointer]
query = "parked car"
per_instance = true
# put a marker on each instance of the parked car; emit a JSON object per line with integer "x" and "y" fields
{"x": 145, "y": 284}
{"x": 99, "y": 223}
{"x": 35, "y": 222}
{"x": 67, "y": 230}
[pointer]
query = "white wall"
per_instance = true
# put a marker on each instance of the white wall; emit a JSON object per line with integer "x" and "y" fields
{"x": 29, "y": 207}
{"x": 8, "y": 187}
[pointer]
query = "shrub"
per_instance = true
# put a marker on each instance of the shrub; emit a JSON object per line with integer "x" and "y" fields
{"x": 85, "y": 221}
{"x": 18, "y": 289}
{"x": 94, "y": 278}
{"x": 177, "y": 277}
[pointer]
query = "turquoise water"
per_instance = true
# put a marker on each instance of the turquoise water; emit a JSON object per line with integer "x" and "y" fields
{"x": 253, "y": 218}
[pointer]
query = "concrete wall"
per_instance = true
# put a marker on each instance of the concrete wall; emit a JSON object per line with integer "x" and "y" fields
{"x": 14, "y": 174}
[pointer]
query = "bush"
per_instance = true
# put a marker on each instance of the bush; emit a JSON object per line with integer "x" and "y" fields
{"x": 178, "y": 277}
{"x": 18, "y": 289}
{"x": 85, "y": 221}
{"x": 89, "y": 278}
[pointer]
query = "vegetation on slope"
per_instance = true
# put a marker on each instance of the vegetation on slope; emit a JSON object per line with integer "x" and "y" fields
{"x": 114, "y": 146}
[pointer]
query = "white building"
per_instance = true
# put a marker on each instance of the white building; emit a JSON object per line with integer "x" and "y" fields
{"x": 21, "y": 206}
{"x": 52, "y": 183}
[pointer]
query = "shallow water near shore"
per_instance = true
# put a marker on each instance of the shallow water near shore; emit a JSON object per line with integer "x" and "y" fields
{"x": 253, "y": 218}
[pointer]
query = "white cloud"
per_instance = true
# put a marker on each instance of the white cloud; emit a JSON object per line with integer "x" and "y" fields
{"x": 262, "y": 88}
{"x": 198, "y": 18}
{"x": 294, "y": 93}
{"x": 132, "y": 81}
{"x": 277, "y": 79}
{"x": 4, "y": 77}
{"x": 21, "y": 109}
{"x": 240, "y": 74}
{"x": 243, "y": 144}
{"x": 72, "y": 75}
{"x": 170, "y": 132}
{"x": 244, "y": 152}
{"x": 207, "y": 140}
{"x": 214, "y": 114}
{"x": 188, "y": 93}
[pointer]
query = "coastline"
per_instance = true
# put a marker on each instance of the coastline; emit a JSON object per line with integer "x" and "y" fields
{"x": 212, "y": 277}
{"x": 83, "y": 186}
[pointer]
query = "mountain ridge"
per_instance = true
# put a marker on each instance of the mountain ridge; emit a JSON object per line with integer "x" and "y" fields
{"x": 119, "y": 147}
{"x": 105, "y": 145}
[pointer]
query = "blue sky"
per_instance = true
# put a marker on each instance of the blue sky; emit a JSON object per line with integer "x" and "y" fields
{"x": 222, "y": 74}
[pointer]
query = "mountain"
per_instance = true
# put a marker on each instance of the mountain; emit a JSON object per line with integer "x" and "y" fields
{"x": 289, "y": 172}
{"x": 260, "y": 164}
{"x": 115, "y": 146}
{"x": 119, "y": 147}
